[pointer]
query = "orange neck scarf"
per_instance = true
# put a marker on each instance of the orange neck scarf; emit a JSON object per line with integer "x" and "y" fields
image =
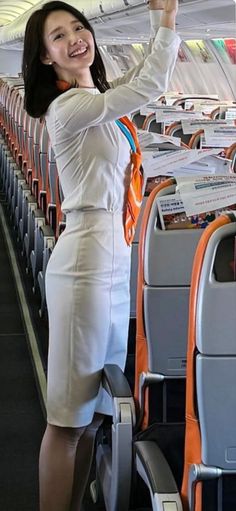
{"x": 135, "y": 192}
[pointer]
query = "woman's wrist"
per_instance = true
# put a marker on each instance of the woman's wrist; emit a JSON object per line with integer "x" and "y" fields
{"x": 168, "y": 9}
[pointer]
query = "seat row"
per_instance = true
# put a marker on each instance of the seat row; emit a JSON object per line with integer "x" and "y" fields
{"x": 181, "y": 438}
{"x": 150, "y": 438}
{"x": 30, "y": 182}
{"x": 185, "y": 369}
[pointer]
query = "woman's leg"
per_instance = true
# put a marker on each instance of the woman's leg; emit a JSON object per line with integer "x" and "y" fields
{"x": 84, "y": 458}
{"x": 56, "y": 467}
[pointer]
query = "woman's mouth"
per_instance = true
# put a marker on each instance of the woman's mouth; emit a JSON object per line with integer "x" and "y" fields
{"x": 80, "y": 51}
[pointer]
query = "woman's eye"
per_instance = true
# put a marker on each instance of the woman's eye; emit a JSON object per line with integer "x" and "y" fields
{"x": 58, "y": 36}
{"x": 79, "y": 27}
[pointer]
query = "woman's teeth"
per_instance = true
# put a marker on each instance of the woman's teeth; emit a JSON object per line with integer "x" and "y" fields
{"x": 78, "y": 52}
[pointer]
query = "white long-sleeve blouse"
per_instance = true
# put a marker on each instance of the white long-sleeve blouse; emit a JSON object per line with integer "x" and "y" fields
{"x": 92, "y": 154}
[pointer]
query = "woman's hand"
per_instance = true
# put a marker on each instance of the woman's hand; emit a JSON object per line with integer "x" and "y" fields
{"x": 156, "y": 5}
{"x": 169, "y": 13}
{"x": 170, "y": 6}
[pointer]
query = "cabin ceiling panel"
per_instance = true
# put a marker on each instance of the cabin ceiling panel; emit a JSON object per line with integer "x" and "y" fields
{"x": 11, "y": 9}
{"x": 200, "y": 22}
{"x": 124, "y": 21}
{"x": 12, "y": 28}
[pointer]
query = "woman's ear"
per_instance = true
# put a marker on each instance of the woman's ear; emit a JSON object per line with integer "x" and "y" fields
{"x": 46, "y": 60}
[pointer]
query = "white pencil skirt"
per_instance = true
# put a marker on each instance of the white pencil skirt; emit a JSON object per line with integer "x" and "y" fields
{"x": 88, "y": 300}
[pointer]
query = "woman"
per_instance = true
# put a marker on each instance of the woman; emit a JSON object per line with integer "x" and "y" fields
{"x": 87, "y": 281}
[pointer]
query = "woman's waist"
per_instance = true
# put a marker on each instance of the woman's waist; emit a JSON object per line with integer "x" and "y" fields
{"x": 94, "y": 217}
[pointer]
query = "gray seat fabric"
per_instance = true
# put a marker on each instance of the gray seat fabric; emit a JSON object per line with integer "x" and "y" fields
{"x": 168, "y": 261}
{"x": 216, "y": 359}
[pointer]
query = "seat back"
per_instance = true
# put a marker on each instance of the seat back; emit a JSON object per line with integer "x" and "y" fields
{"x": 138, "y": 119}
{"x": 175, "y": 129}
{"x": 195, "y": 140}
{"x": 211, "y": 362}
{"x": 230, "y": 154}
{"x": 150, "y": 124}
{"x": 216, "y": 357}
{"x": 164, "y": 273}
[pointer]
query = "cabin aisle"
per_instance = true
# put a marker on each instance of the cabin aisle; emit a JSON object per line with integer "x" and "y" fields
{"x": 22, "y": 421}
{"x": 21, "y": 418}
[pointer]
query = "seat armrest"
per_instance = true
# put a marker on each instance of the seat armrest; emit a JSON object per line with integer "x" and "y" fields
{"x": 157, "y": 470}
{"x": 115, "y": 382}
{"x": 47, "y": 231}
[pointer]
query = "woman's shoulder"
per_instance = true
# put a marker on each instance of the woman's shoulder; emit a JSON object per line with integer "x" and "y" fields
{"x": 61, "y": 102}
{"x": 62, "y": 98}
{"x": 67, "y": 98}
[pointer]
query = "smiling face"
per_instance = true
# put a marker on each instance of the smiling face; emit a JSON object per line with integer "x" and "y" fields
{"x": 69, "y": 48}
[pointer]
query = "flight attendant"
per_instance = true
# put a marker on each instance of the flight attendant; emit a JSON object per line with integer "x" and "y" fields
{"x": 88, "y": 274}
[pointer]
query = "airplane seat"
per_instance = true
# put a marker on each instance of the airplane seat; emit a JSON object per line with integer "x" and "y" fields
{"x": 182, "y": 100}
{"x": 215, "y": 114}
{"x": 150, "y": 124}
{"x": 13, "y": 170}
{"x": 22, "y": 154}
{"x": 48, "y": 232}
{"x": 210, "y": 454}
{"x": 11, "y": 114}
{"x": 16, "y": 124}
{"x": 165, "y": 263}
{"x": 129, "y": 368}
{"x": 210, "y": 460}
{"x": 27, "y": 164}
{"x": 36, "y": 215}
{"x": 234, "y": 163}
{"x": 15, "y": 114}
{"x": 6, "y": 94}
{"x": 7, "y": 124}
{"x": 12, "y": 111}
{"x": 146, "y": 120}
{"x": 7, "y": 160}
{"x": 44, "y": 235}
{"x": 31, "y": 167}
{"x": 222, "y": 114}
{"x": 195, "y": 140}
{"x": 43, "y": 167}
{"x": 114, "y": 452}
{"x": 175, "y": 130}
{"x": 14, "y": 180}
{"x": 21, "y": 159}
{"x": 27, "y": 169}
{"x": 47, "y": 229}
{"x": 150, "y": 185}
{"x": 231, "y": 155}
{"x": 6, "y": 154}
{"x": 19, "y": 179}
{"x": 164, "y": 271}
{"x": 51, "y": 188}
{"x": 138, "y": 119}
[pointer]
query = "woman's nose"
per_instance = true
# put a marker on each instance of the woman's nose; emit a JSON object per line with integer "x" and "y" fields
{"x": 74, "y": 38}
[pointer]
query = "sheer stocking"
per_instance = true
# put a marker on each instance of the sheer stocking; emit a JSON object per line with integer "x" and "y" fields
{"x": 84, "y": 457}
{"x": 56, "y": 467}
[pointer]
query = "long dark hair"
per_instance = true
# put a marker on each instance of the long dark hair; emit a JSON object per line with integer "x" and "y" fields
{"x": 40, "y": 79}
